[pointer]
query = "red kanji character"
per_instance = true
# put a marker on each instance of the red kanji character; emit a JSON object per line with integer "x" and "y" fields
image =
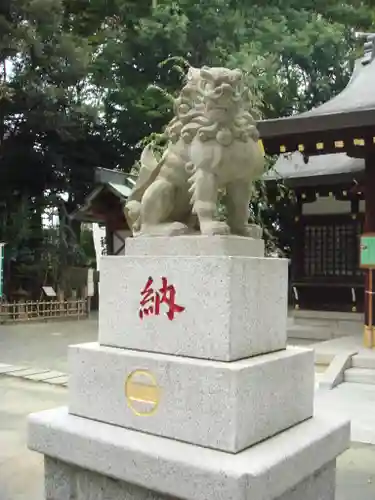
{"x": 168, "y": 296}
{"x": 150, "y": 303}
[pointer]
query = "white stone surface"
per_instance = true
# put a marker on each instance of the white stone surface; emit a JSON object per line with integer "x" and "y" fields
{"x": 227, "y": 406}
{"x": 7, "y": 369}
{"x": 195, "y": 245}
{"x": 67, "y": 482}
{"x": 335, "y": 373}
{"x": 319, "y": 486}
{"x": 235, "y": 307}
{"x": 27, "y": 372}
{"x": 263, "y": 472}
{"x": 360, "y": 376}
{"x": 363, "y": 360}
{"x": 354, "y": 402}
{"x": 64, "y": 482}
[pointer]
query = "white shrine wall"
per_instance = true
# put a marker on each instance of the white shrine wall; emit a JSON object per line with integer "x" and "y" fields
{"x": 326, "y": 206}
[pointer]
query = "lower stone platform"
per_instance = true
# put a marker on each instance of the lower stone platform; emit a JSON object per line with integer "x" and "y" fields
{"x": 101, "y": 461}
{"x": 226, "y": 406}
{"x": 65, "y": 482}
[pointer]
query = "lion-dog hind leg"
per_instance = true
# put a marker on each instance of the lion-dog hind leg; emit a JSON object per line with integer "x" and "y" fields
{"x": 205, "y": 194}
{"x": 237, "y": 203}
{"x": 156, "y": 210}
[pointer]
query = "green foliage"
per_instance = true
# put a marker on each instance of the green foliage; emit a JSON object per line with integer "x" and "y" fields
{"x": 88, "y": 248}
{"x": 49, "y": 137}
{"x": 79, "y": 79}
{"x": 296, "y": 55}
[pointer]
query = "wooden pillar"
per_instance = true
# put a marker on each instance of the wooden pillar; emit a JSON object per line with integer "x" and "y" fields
{"x": 369, "y": 227}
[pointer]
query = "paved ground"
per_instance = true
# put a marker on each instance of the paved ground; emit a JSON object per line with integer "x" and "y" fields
{"x": 21, "y": 471}
{"x": 40, "y": 347}
{"x": 44, "y": 345}
{"x": 356, "y": 402}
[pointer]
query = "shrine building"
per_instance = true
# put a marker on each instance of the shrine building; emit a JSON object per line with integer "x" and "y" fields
{"x": 329, "y": 218}
{"x": 105, "y": 206}
{"x": 327, "y": 155}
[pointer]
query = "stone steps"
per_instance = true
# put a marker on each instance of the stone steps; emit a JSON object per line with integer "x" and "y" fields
{"x": 362, "y": 369}
{"x": 360, "y": 376}
{"x": 364, "y": 361}
{"x": 323, "y": 325}
{"x": 308, "y": 332}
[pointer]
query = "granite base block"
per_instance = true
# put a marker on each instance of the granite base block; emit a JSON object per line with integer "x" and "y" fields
{"x": 319, "y": 486}
{"x": 68, "y": 482}
{"x": 294, "y": 465}
{"x": 227, "y": 406}
{"x": 194, "y": 246}
{"x": 65, "y": 482}
{"x": 233, "y": 307}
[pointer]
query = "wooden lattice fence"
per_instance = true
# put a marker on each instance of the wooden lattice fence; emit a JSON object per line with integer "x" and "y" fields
{"x": 12, "y": 312}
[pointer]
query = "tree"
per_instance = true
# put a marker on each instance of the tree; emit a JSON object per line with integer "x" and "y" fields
{"x": 50, "y": 142}
{"x": 296, "y": 54}
{"x": 75, "y": 94}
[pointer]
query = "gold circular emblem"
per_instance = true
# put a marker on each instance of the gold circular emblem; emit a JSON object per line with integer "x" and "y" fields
{"x": 142, "y": 393}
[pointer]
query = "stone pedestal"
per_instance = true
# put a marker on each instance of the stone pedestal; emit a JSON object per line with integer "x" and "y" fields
{"x": 66, "y": 481}
{"x": 207, "y": 403}
{"x": 191, "y": 391}
{"x": 234, "y": 307}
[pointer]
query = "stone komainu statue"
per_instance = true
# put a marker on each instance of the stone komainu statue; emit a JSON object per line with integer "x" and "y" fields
{"x": 212, "y": 146}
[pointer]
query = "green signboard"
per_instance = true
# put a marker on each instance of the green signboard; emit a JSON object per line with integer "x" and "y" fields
{"x": 367, "y": 251}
